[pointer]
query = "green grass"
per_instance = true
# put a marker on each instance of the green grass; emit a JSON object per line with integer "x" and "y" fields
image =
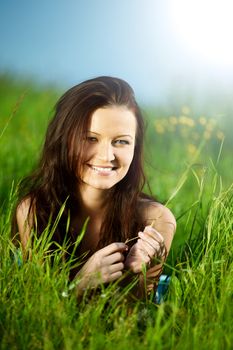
{"x": 195, "y": 181}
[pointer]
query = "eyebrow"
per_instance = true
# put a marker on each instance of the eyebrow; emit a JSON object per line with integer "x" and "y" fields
{"x": 126, "y": 135}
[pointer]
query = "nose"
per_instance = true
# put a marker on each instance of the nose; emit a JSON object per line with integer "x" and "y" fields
{"x": 105, "y": 152}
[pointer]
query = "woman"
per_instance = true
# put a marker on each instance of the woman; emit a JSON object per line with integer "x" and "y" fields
{"x": 92, "y": 160}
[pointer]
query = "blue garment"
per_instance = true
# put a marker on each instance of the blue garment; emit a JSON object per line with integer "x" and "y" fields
{"x": 17, "y": 256}
{"x": 162, "y": 289}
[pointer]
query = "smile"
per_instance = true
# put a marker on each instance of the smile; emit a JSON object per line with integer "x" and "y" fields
{"x": 102, "y": 170}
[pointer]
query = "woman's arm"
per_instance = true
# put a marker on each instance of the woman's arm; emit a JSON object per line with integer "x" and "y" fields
{"x": 24, "y": 220}
{"x": 153, "y": 245}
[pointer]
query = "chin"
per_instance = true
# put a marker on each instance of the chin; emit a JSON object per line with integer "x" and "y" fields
{"x": 101, "y": 186}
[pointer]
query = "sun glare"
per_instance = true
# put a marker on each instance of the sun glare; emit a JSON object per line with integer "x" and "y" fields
{"x": 205, "y": 27}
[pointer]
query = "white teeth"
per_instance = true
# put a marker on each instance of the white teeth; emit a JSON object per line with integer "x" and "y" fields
{"x": 106, "y": 170}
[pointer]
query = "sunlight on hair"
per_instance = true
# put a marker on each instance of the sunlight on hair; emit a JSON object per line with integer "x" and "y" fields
{"x": 205, "y": 28}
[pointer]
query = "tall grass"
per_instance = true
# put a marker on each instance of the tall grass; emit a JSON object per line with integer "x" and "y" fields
{"x": 196, "y": 314}
{"x": 35, "y": 313}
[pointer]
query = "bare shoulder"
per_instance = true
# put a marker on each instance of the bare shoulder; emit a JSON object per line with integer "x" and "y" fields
{"x": 155, "y": 211}
{"x": 24, "y": 217}
{"x": 23, "y": 208}
{"x": 159, "y": 216}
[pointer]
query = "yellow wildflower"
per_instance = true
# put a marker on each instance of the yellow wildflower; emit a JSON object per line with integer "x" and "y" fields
{"x": 186, "y": 121}
{"x": 220, "y": 135}
{"x": 207, "y": 135}
{"x": 209, "y": 127}
{"x": 182, "y": 119}
{"x": 202, "y": 120}
{"x": 190, "y": 122}
{"x": 191, "y": 148}
{"x": 159, "y": 128}
{"x": 185, "y": 110}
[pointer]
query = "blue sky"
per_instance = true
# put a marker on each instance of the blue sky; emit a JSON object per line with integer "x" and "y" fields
{"x": 67, "y": 41}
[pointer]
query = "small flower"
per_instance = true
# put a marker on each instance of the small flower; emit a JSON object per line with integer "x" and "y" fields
{"x": 191, "y": 148}
{"x": 202, "y": 120}
{"x": 209, "y": 127}
{"x": 182, "y": 119}
{"x": 190, "y": 122}
{"x": 220, "y": 135}
{"x": 207, "y": 135}
{"x": 186, "y": 121}
{"x": 185, "y": 110}
{"x": 159, "y": 128}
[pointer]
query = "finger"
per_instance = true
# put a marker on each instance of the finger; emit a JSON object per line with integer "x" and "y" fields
{"x": 116, "y": 267}
{"x": 153, "y": 240}
{"x": 141, "y": 254}
{"x": 147, "y": 248}
{"x": 114, "y": 276}
{"x": 158, "y": 249}
{"x": 113, "y": 258}
{"x": 137, "y": 259}
{"x": 137, "y": 267}
{"x": 150, "y": 287}
{"x": 149, "y": 240}
{"x": 153, "y": 233}
{"x": 114, "y": 247}
{"x": 143, "y": 251}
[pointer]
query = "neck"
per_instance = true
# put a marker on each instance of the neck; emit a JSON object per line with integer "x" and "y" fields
{"x": 92, "y": 200}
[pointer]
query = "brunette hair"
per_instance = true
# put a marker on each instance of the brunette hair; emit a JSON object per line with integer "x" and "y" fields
{"x": 56, "y": 179}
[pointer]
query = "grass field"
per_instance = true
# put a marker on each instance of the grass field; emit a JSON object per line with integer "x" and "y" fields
{"x": 189, "y": 163}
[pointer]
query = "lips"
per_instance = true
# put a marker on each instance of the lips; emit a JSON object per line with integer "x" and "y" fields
{"x": 103, "y": 170}
{"x": 97, "y": 168}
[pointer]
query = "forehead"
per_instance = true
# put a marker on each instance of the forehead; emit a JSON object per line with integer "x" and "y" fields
{"x": 117, "y": 119}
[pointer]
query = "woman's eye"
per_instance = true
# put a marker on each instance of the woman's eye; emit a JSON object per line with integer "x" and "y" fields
{"x": 91, "y": 139}
{"x": 121, "y": 142}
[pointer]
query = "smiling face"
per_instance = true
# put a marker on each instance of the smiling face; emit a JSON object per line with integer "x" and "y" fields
{"x": 109, "y": 148}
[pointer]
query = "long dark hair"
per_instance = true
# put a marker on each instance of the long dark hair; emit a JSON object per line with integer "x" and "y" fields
{"x": 56, "y": 179}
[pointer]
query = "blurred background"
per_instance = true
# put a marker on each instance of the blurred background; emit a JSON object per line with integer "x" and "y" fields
{"x": 158, "y": 46}
{"x": 176, "y": 54}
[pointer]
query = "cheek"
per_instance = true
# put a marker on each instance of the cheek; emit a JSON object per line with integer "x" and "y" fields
{"x": 89, "y": 152}
{"x": 128, "y": 157}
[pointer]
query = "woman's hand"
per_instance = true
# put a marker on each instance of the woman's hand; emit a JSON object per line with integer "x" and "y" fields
{"x": 149, "y": 246}
{"x": 103, "y": 266}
